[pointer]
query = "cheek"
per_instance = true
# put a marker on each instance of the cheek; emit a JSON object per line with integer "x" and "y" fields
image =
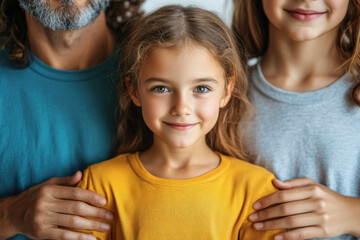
{"x": 338, "y": 11}
{"x": 273, "y": 10}
{"x": 336, "y": 5}
{"x": 152, "y": 109}
{"x": 208, "y": 112}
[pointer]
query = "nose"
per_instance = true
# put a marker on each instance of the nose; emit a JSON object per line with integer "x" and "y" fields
{"x": 182, "y": 105}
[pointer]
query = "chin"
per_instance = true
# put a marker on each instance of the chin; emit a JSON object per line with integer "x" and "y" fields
{"x": 301, "y": 36}
{"x": 180, "y": 144}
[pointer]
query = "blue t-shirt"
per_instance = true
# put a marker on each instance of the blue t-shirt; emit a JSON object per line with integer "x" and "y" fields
{"x": 53, "y": 122}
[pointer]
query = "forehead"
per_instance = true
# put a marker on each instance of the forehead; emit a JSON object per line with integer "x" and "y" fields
{"x": 186, "y": 62}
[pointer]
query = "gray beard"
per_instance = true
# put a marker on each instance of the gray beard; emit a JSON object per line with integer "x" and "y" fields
{"x": 65, "y": 17}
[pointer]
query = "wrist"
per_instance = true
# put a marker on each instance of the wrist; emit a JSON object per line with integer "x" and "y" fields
{"x": 355, "y": 220}
{"x": 7, "y": 227}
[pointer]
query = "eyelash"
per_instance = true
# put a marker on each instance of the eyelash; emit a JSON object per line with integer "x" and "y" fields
{"x": 163, "y": 89}
{"x": 205, "y": 89}
{"x": 156, "y": 89}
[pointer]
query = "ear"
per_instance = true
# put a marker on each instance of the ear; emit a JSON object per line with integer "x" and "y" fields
{"x": 132, "y": 92}
{"x": 228, "y": 90}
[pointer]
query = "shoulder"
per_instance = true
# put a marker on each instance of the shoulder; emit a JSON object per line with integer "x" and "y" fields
{"x": 248, "y": 170}
{"x": 114, "y": 164}
{"x": 103, "y": 175}
{"x": 7, "y": 67}
{"x": 255, "y": 180}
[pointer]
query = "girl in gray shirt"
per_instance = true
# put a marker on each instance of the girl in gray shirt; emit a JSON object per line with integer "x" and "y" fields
{"x": 306, "y": 94}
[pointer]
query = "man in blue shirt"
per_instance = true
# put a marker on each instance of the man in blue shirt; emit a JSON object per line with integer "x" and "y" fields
{"x": 57, "y": 103}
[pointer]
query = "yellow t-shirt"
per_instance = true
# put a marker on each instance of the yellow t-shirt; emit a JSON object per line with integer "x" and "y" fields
{"x": 215, "y": 205}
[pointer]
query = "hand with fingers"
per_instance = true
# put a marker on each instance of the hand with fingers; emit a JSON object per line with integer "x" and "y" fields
{"x": 50, "y": 209}
{"x": 308, "y": 209}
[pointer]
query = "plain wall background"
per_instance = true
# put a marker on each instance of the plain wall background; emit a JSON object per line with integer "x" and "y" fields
{"x": 223, "y": 8}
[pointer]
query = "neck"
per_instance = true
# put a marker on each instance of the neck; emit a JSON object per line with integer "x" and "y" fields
{"x": 166, "y": 161}
{"x": 301, "y": 65}
{"x": 71, "y": 50}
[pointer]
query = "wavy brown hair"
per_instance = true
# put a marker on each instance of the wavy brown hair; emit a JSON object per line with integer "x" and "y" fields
{"x": 13, "y": 25}
{"x": 250, "y": 26}
{"x": 171, "y": 27}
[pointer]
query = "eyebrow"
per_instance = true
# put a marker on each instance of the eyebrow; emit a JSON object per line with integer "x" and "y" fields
{"x": 199, "y": 80}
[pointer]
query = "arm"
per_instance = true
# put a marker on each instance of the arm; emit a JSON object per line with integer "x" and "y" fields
{"x": 48, "y": 210}
{"x": 262, "y": 188}
{"x": 310, "y": 209}
{"x": 92, "y": 183}
{"x": 6, "y": 227}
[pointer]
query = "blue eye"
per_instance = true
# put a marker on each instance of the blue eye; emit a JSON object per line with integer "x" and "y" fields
{"x": 201, "y": 89}
{"x": 160, "y": 89}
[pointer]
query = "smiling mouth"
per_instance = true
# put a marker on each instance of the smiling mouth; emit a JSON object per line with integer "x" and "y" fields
{"x": 304, "y": 15}
{"x": 181, "y": 126}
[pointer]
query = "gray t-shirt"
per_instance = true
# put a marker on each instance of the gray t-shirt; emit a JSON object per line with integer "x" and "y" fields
{"x": 312, "y": 134}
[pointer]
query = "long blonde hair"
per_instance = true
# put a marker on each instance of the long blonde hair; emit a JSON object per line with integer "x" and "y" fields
{"x": 250, "y": 26}
{"x": 169, "y": 27}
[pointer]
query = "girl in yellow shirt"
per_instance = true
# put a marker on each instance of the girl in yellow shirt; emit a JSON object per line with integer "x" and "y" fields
{"x": 183, "y": 99}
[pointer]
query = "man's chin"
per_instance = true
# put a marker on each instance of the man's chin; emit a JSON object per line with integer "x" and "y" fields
{"x": 67, "y": 17}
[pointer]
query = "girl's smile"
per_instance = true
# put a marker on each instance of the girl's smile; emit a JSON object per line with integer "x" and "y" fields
{"x": 305, "y": 15}
{"x": 181, "y": 126}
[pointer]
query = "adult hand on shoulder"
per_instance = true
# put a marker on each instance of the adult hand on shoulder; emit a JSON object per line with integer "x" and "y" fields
{"x": 308, "y": 209}
{"x": 50, "y": 209}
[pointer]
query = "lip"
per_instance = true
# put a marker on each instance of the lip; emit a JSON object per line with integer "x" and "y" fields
{"x": 181, "y": 126}
{"x": 304, "y": 15}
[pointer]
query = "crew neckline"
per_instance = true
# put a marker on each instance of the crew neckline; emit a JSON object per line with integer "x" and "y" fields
{"x": 140, "y": 170}
{"x": 335, "y": 90}
{"x": 70, "y": 75}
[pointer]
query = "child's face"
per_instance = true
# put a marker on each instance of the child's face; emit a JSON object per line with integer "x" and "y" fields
{"x": 180, "y": 92}
{"x": 305, "y": 20}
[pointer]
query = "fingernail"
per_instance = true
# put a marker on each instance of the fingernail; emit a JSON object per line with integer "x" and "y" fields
{"x": 257, "y": 205}
{"x": 253, "y": 217}
{"x": 105, "y": 226}
{"x": 109, "y": 216}
{"x": 279, "y": 237}
{"x": 259, "y": 225}
{"x": 102, "y": 201}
